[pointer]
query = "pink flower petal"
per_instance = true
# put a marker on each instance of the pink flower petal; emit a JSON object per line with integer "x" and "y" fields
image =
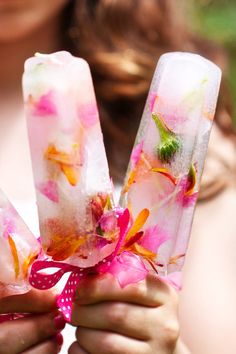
{"x": 88, "y": 114}
{"x": 50, "y": 190}
{"x": 135, "y": 155}
{"x": 152, "y": 99}
{"x": 128, "y": 268}
{"x": 153, "y": 238}
{"x": 174, "y": 279}
{"x": 186, "y": 200}
{"x": 9, "y": 225}
{"x": 45, "y": 106}
{"x": 190, "y": 200}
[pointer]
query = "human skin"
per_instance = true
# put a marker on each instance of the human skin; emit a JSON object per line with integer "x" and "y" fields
{"x": 139, "y": 319}
{"x": 38, "y": 333}
{"x": 20, "y": 18}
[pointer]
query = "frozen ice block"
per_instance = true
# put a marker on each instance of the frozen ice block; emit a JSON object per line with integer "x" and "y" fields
{"x": 19, "y": 248}
{"x": 74, "y": 190}
{"x": 166, "y": 163}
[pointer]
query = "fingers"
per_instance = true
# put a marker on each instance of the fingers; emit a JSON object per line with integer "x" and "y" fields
{"x": 150, "y": 292}
{"x": 117, "y": 317}
{"x": 75, "y": 348}
{"x": 51, "y": 346}
{"x": 102, "y": 342}
{"x": 22, "y": 334}
{"x": 35, "y": 301}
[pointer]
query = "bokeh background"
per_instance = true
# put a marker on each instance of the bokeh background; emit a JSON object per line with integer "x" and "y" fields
{"x": 216, "y": 19}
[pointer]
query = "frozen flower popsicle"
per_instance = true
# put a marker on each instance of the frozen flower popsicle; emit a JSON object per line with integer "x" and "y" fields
{"x": 166, "y": 163}
{"x": 74, "y": 190}
{"x": 19, "y": 248}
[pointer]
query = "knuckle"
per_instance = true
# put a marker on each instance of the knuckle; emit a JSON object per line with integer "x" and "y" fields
{"x": 108, "y": 345}
{"x": 171, "y": 330}
{"x": 140, "y": 290}
{"x": 116, "y": 314}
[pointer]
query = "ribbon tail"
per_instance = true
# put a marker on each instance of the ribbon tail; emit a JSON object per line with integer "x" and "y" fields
{"x": 65, "y": 300}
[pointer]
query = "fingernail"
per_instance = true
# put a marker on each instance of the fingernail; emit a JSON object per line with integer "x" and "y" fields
{"x": 59, "y": 339}
{"x": 59, "y": 322}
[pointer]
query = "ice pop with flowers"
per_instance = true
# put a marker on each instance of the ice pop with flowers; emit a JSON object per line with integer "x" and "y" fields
{"x": 19, "y": 248}
{"x": 166, "y": 163}
{"x": 74, "y": 190}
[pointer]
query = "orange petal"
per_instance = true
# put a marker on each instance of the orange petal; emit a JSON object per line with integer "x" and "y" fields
{"x": 71, "y": 173}
{"x": 14, "y": 255}
{"x": 208, "y": 115}
{"x": 173, "y": 260}
{"x": 27, "y": 263}
{"x": 68, "y": 162}
{"x": 133, "y": 239}
{"x": 130, "y": 181}
{"x": 55, "y": 155}
{"x": 192, "y": 177}
{"x": 64, "y": 247}
{"x": 165, "y": 173}
{"x": 138, "y": 223}
{"x": 141, "y": 251}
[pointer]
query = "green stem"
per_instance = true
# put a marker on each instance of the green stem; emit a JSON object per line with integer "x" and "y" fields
{"x": 163, "y": 130}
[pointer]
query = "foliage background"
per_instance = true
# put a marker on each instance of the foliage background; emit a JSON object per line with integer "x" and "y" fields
{"x": 216, "y": 19}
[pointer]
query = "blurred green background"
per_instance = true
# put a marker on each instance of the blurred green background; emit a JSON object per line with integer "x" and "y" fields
{"x": 216, "y": 19}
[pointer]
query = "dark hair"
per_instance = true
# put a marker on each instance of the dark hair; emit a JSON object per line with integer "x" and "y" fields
{"x": 122, "y": 41}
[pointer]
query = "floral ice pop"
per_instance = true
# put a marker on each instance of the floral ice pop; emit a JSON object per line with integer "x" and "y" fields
{"x": 166, "y": 163}
{"x": 19, "y": 248}
{"x": 74, "y": 190}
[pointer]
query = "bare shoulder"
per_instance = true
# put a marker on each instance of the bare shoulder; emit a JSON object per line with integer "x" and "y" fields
{"x": 217, "y": 214}
{"x": 209, "y": 291}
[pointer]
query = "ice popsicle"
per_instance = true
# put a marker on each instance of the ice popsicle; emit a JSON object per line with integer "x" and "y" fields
{"x": 19, "y": 248}
{"x": 74, "y": 190}
{"x": 166, "y": 163}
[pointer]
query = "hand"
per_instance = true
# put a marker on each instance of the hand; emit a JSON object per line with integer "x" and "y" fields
{"x": 38, "y": 333}
{"x": 139, "y": 319}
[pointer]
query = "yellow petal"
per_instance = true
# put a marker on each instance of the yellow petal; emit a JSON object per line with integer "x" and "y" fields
{"x": 173, "y": 260}
{"x": 60, "y": 157}
{"x": 141, "y": 251}
{"x": 192, "y": 178}
{"x": 138, "y": 223}
{"x": 15, "y": 256}
{"x": 130, "y": 181}
{"x": 27, "y": 263}
{"x": 71, "y": 173}
{"x": 64, "y": 247}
